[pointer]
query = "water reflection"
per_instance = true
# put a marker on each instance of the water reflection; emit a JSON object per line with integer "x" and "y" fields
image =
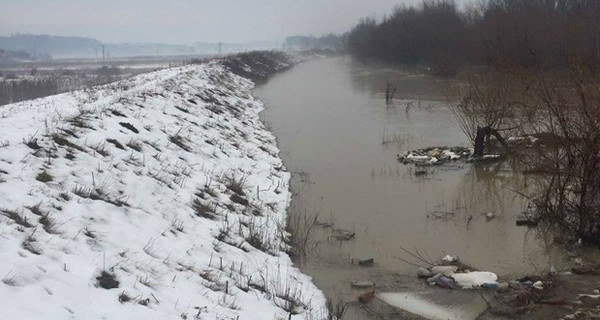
{"x": 372, "y": 80}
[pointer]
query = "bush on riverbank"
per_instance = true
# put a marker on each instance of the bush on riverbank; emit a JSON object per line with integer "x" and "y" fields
{"x": 562, "y": 108}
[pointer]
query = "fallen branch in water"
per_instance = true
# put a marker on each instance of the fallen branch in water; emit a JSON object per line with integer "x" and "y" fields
{"x": 417, "y": 256}
{"x": 441, "y": 214}
{"x": 408, "y": 262}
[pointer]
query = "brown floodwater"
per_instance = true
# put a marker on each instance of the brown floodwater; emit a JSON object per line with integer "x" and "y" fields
{"x": 339, "y": 137}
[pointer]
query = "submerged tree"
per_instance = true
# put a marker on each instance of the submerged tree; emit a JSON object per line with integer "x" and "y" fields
{"x": 488, "y": 106}
{"x": 563, "y": 109}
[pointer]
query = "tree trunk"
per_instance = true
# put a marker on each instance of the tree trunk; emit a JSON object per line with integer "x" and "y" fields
{"x": 479, "y": 142}
{"x": 482, "y": 137}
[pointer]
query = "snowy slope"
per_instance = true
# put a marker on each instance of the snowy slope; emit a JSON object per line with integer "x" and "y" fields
{"x": 166, "y": 183}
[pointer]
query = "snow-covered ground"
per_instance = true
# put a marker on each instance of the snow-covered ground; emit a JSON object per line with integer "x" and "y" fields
{"x": 158, "y": 197}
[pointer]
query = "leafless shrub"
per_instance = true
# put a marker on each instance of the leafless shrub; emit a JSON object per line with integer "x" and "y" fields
{"x": 65, "y": 196}
{"x": 116, "y": 112}
{"x": 79, "y": 121}
{"x": 180, "y": 141}
{"x": 44, "y": 176}
{"x": 116, "y": 143}
{"x": 258, "y": 237}
{"x": 239, "y": 200}
{"x": 566, "y": 195}
{"x": 143, "y": 302}
{"x": 83, "y": 191}
{"x": 203, "y": 210}
{"x": 37, "y": 210}
{"x": 211, "y": 191}
{"x": 490, "y": 104}
{"x": 124, "y": 297}
{"x": 300, "y": 229}
{"x": 228, "y": 301}
{"x": 88, "y": 232}
{"x": 288, "y": 298}
{"x": 134, "y": 159}
{"x": 30, "y": 244}
{"x": 336, "y": 310}
{"x": 178, "y": 225}
{"x": 182, "y": 109}
{"x": 100, "y": 148}
{"x": 129, "y": 127}
{"x": 212, "y": 281}
{"x": 147, "y": 281}
{"x": 49, "y": 224}
{"x": 16, "y": 216}
{"x": 32, "y": 142}
{"x": 62, "y": 141}
{"x": 236, "y": 184}
{"x": 10, "y": 279}
{"x": 151, "y": 250}
{"x": 135, "y": 145}
{"x": 107, "y": 280}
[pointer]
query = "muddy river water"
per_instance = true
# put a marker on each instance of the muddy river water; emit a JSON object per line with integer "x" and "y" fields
{"x": 339, "y": 137}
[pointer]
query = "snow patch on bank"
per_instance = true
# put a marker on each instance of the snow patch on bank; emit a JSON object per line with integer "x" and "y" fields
{"x": 165, "y": 188}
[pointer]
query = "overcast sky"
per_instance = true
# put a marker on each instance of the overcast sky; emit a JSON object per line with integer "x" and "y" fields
{"x": 186, "y": 21}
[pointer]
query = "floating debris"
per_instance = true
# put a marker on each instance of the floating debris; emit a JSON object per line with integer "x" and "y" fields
{"x": 435, "y": 155}
{"x": 366, "y": 262}
{"x": 448, "y": 258}
{"x": 362, "y": 284}
{"x": 455, "y": 275}
{"x": 343, "y": 235}
{"x": 526, "y": 219}
{"x": 366, "y": 297}
{"x": 440, "y": 155}
{"x": 539, "y": 285}
{"x": 437, "y": 304}
{"x": 476, "y": 279}
{"x": 444, "y": 270}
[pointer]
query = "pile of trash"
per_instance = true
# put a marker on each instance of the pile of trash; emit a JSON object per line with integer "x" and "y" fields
{"x": 441, "y": 155}
{"x": 435, "y": 155}
{"x": 454, "y": 275}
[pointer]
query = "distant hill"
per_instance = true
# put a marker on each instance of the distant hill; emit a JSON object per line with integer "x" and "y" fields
{"x": 56, "y": 46}
{"x": 80, "y": 47}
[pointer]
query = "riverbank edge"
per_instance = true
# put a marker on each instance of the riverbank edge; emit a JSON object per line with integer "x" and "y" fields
{"x": 181, "y": 89}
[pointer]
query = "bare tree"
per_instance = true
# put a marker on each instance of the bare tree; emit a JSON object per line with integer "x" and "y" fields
{"x": 489, "y": 105}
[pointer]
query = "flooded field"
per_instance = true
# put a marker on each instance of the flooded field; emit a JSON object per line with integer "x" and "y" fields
{"x": 340, "y": 139}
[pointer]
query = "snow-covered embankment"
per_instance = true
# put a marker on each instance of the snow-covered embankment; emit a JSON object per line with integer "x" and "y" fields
{"x": 159, "y": 197}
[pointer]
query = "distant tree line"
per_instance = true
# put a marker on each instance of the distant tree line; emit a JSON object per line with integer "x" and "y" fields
{"x": 9, "y": 57}
{"x": 524, "y": 33}
{"x": 331, "y": 41}
{"x": 14, "y": 88}
{"x": 38, "y": 45}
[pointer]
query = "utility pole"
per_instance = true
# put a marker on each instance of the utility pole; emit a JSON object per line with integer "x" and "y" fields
{"x": 157, "y": 50}
{"x": 103, "y": 56}
{"x": 220, "y": 48}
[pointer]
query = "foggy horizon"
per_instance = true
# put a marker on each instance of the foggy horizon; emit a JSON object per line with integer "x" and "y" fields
{"x": 188, "y": 21}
